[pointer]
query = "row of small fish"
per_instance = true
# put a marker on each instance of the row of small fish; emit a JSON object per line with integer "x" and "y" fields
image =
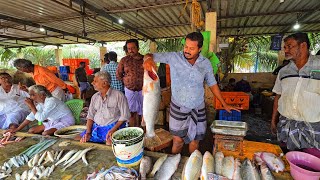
{"x": 73, "y": 156}
{"x": 113, "y": 173}
{"x": 35, "y": 173}
{"x": 44, "y": 158}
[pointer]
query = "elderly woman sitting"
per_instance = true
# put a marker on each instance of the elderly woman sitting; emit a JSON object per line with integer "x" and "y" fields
{"x": 13, "y": 110}
{"x": 51, "y": 111}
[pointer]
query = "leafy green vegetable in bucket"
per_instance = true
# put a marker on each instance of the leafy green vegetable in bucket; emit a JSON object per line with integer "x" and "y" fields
{"x": 127, "y": 135}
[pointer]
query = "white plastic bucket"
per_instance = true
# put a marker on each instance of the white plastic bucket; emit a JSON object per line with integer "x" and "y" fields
{"x": 128, "y": 152}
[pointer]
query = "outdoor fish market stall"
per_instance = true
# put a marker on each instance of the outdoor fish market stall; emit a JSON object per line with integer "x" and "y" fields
{"x": 98, "y": 156}
{"x": 101, "y": 156}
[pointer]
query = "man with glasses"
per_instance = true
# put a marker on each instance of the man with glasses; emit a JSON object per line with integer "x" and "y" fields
{"x": 296, "y": 112}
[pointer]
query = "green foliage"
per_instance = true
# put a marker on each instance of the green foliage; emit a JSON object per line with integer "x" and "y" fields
{"x": 244, "y": 54}
{"x": 169, "y": 45}
{"x": 41, "y": 56}
{"x": 6, "y": 55}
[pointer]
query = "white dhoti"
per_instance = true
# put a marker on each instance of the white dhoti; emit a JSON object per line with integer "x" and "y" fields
{"x": 65, "y": 121}
{"x": 12, "y": 118}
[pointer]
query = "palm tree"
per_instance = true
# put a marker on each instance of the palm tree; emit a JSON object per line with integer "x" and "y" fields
{"x": 41, "y": 56}
{"x": 6, "y": 55}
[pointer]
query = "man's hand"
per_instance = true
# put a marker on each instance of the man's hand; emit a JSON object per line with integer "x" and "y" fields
{"x": 85, "y": 138}
{"x": 229, "y": 108}
{"x": 108, "y": 137}
{"x": 12, "y": 130}
{"x": 29, "y": 102}
{"x": 273, "y": 127}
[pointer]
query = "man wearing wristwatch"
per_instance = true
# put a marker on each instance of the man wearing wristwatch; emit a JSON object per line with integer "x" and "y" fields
{"x": 108, "y": 111}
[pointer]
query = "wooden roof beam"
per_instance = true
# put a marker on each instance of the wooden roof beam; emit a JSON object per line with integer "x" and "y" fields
{"x": 26, "y": 40}
{"x": 224, "y": 18}
{"x": 30, "y": 23}
{"x": 126, "y": 9}
{"x": 104, "y": 14}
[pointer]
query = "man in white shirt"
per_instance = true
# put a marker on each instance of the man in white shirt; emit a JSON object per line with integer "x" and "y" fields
{"x": 52, "y": 112}
{"x": 297, "y": 98}
{"x": 13, "y": 110}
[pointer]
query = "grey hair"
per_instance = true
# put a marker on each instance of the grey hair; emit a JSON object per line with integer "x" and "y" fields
{"x": 103, "y": 75}
{"x": 38, "y": 89}
{"x": 22, "y": 63}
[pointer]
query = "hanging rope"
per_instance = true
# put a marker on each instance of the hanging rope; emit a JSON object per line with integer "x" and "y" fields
{"x": 195, "y": 14}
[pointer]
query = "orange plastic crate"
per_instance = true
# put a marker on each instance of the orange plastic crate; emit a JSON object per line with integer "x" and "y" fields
{"x": 237, "y": 99}
{"x": 73, "y": 69}
{"x": 71, "y": 76}
{"x": 66, "y": 62}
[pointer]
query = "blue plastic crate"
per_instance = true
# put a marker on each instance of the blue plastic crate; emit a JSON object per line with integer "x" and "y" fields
{"x": 64, "y": 69}
{"x": 233, "y": 116}
{"x": 64, "y": 77}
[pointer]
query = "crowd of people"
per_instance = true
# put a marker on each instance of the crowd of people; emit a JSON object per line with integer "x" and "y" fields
{"x": 118, "y": 100}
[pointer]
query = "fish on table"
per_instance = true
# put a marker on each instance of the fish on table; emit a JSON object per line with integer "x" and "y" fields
{"x": 207, "y": 166}
{"x": 168, "y": 168}
{"x": 274, "y": 162}
{"x": 192, "y": 167}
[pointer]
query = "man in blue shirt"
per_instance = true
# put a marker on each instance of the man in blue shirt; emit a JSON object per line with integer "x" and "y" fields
{"x": 188, "y": 69}
{"x": 111, "y": 68}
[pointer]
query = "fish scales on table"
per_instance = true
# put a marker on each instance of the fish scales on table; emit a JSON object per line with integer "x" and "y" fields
{"x": 192, "y": 167}
{"x": 151, "y": 100}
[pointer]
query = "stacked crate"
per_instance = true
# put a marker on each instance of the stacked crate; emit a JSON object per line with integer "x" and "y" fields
{"x": 73, "y": 64}
{"x": 64, "y": 71}
{"x": 236, "y": 99}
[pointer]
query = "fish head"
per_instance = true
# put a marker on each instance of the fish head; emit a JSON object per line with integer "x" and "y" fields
{"x": 150, "y": 68}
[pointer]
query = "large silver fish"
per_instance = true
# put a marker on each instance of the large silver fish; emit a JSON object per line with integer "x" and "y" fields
{"x": 228, "y": 167}
{"x": 266, "y": 174}
{"x": 218, "y": 157}
{"x": 151, "y": 100}
{"x": 274, "y": 163}
{"x": 145, "y": 167}
{"x": 249, "y": 171}
{"x": 157, "y": 165}
{"x": 168, "y": 168}
{"x": 207, "y": 165}
{"x": 192, "y": 167}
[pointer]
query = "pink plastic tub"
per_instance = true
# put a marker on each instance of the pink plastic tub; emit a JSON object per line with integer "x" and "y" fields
{"x": 313, "y": 151}
{"x": 303, "y": 166}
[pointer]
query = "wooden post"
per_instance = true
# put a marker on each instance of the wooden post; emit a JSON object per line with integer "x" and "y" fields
{"x": 103, "y": 51}
{"x": 211, "y": 25}
{"x": 58, "y": 53}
